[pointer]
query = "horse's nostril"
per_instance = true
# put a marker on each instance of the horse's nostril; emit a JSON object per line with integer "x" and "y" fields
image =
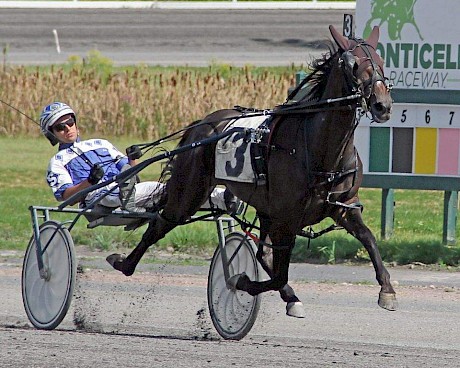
{"x": 378, "y": 106}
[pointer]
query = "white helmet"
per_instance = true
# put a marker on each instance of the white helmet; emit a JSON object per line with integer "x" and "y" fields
{"x": 50, "y": 115}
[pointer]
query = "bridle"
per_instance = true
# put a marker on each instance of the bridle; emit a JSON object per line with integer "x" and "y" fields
{"x": 367, "y": 56}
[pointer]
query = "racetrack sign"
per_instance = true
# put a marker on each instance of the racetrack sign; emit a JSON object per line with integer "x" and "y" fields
{"x": 418, "y": 40}
{"x": 420, "y": 45}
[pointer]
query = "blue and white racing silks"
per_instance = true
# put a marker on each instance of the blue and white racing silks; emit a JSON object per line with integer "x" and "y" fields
{"x": 72, "y": 164}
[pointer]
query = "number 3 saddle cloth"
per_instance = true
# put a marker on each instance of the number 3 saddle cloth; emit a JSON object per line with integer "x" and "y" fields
{"x": 239, "y": 157}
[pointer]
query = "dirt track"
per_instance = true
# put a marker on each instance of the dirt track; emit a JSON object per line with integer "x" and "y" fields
{"x": 159, "y": 317}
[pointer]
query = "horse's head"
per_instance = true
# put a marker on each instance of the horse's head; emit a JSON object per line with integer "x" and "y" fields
{"x": 363, "y": 70}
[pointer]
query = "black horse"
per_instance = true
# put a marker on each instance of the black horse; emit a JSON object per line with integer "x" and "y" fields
{"x": 313, "y": 168}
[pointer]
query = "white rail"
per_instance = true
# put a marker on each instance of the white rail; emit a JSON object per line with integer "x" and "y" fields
{"x": 231, "y": 4}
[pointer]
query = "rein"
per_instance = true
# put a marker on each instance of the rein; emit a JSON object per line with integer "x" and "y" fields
{"x": 312, "y": 106}
{"x": 333, "y": 177}
{"x": 301, "y": 108}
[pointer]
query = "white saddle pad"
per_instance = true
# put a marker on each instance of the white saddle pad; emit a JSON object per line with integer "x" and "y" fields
{"x": 233, "y": 154}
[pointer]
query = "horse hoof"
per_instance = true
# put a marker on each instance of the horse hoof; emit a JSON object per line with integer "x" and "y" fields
{"x": 388, "y": 301}
{"x": 233, "y": 281}
{"x": 116, "y": 261}
{"x": 295, "y": 309}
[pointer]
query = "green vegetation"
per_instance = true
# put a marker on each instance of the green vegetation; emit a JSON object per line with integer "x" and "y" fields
{"x": 418, "y": 217}
{"x": 22, "y": 176}
{"x": 417, "y": 238}
{"x": 138, "y": 101}
{"x": 134, "y": 104}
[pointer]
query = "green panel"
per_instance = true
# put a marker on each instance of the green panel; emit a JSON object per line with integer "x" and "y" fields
{"x": 379, "y": 154}
{"x": 401, "y": 181}
{"x": 426, "y": 96}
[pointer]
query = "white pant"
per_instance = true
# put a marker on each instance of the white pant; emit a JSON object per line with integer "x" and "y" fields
{"x": 147, "y": 194}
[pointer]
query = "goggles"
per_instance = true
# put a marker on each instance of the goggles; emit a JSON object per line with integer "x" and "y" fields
{"x": 61, "y": 126}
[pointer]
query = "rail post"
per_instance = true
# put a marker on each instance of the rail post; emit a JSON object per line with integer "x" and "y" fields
{"x": 450, "y": 217}
{"x": 387, "y": 213}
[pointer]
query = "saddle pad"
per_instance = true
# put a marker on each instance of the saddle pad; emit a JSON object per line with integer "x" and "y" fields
{"x": 233, "y": 154}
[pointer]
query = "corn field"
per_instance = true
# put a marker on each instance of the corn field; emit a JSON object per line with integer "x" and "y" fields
{"x": 138, "y": 101}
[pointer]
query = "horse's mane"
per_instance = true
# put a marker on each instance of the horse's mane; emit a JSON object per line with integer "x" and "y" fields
{"x": 315, "y": 82}
{"x": 321, "y": 69}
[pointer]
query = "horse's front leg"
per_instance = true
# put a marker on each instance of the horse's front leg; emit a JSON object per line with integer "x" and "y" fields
{"x": 352, "y": 221}
{"x": 294, "y": 307}
{"x": 279, "y": 271}
{"x": 279, "y": 279}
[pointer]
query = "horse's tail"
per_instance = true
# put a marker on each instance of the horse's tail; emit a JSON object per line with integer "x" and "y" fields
{"x": 167, "y": 169}
{"x": 187, "y": 132}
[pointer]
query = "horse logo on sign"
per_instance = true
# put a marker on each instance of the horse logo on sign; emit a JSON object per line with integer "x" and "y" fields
{"x": 397, "y": 13}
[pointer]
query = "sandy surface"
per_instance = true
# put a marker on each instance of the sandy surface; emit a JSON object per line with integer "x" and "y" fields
{"x": 159, "y": 317}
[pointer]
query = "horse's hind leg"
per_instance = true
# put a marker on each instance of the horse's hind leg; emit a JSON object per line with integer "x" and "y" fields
{"x": 188, "y": 188}
{"x": 173, "y": 215}
{"x": 156, "y": 230}
{"x": 294, "y": 306}
{"x": 352, "y": 221}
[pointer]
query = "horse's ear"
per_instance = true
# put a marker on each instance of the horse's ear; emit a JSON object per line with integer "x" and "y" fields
{"x": 373, "y": 39}
{"x": 341, "y": 41}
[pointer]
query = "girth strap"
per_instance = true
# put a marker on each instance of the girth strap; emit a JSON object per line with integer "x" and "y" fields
{"x": 333, "y": 175}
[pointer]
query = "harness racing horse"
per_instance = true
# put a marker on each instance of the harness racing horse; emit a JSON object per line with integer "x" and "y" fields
{"x": 313, "y": 168}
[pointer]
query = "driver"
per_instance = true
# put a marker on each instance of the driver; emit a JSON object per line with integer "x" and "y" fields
{"x": 80, "y": 164}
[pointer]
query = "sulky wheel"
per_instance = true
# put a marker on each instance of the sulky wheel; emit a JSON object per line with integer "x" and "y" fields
{"x": 233, "y": 312}
{"x": 47, "y": 299}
